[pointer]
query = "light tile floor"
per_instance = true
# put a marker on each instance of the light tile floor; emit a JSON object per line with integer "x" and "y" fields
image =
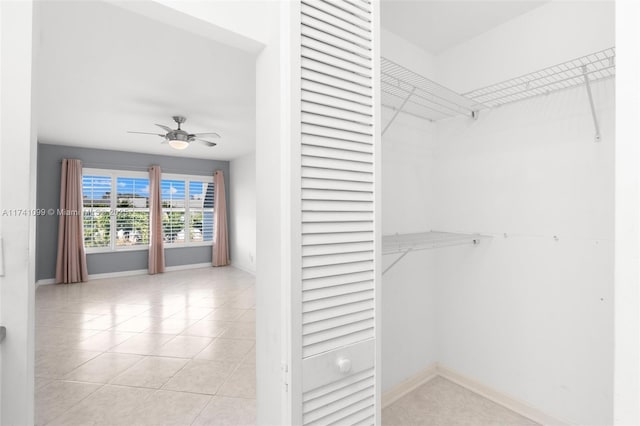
{"x": 169, "y": 349}
{"x": 440, "y": 402}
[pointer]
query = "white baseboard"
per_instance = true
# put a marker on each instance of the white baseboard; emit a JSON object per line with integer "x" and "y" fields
{"x": 131, "y": 273}
{"x": 437, "y": 369}
{"x": 244, "y": 268}
{"x": 498, "y": 397}
{"x": 185, "y": 267}
{"x": 409, "y": 385}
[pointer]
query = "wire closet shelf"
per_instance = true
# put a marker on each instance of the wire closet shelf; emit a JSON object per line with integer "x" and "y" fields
{"x": 403, "y": 244}
{"x": 409, "y": 92}
{"x": 585, "y": 69}
{"x": 400, "y": 243}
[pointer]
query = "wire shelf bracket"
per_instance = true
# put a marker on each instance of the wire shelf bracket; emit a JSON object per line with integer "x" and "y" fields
{"x": 583, "y": 70}
{"x": 404, "y": 244}
{"x": 408, "y": 92}
{"x": 587, "y": 85}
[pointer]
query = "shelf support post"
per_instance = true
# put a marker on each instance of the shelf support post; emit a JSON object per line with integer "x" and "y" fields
{"x": 587, "y": 84}
{"x": 397, "y": 111}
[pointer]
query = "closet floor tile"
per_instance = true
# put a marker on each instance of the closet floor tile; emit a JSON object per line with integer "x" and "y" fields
{"x": 442, "y": 402}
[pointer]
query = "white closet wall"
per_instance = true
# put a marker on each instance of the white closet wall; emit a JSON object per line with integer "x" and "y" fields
{"x": 528, "y": 315}
{"x": 408, "y": 324}
{"x": 536, "y": 313}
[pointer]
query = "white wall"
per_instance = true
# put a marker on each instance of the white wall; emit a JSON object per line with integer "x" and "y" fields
{"x": 17, "y": 176}
{"x": 627, "y": 241}
{"x": 242, "y": 207}
{"x": 525, "y": 314}
{"x": 528, "y": 315}
{"x": 408, "y": 311}
{"x": 550, "y": 34}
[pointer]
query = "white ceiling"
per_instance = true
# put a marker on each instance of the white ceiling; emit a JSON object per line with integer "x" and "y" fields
{"x": 436, "y": 26}
{"x": 103, "y": 71}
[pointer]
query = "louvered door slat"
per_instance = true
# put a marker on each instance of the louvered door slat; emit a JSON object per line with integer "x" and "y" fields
{"x": 357, "y": 316}
{"x": 339, "y": 53}
{"x": 337, "y": 394}
{"x": 336, "y": 269}
{"x": 336, "y": 82}
{"x": 309, "y": 251}
{"x": 334, "y": 227}
{"x": 314, "y": 22}
{"x": 336, "y": 17}
{"x": 336, "y": 42}
{"x": 339, "y": 135}
{"x": 336, "y": 216}
{"x": 337, "y": 230}
{"x": 318, "y": 109}
{"x": 336, "y": 153}
{"x": 334, "y": 291}
{"x": 340, "y": 94}
{"x": 339, "y": 408}
{"x": 331, "y": 69}
{"x": 314, "y": 284}
{"x": 335, "y": 62}
{"x": 363, "y": 14}
{"x": 344, "y": 237}
{"x": 336, "y": 174}
{"x": 334, "y": 164}
{"x": 313, "y": 140}
{"x": 337, "y": 103}
{"x": 336, "y": 206}
{"x": 329, "y": 314}
{"x": 329, "y": 259}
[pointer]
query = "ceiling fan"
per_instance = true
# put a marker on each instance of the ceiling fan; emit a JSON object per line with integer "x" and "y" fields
{"x": 180, "y": 139}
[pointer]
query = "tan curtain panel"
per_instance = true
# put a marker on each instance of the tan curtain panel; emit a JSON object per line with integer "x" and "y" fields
{"x": 71, "y": 262}
{"x": 156, "y": 247}
{"x": 220, "y": 233}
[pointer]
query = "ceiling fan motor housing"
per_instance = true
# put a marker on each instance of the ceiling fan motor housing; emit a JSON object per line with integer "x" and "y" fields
{"x": 180, "y": 135}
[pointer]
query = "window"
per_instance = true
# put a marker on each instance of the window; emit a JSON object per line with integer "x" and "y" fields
{"x": 187, "y": 205}
{"x": 132, "y": 212}
{"x": 116, "y": 210}
{"x": 96, "y": 205}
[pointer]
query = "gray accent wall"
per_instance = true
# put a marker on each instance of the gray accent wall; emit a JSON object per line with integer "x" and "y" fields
{"x": 48, "y": 197}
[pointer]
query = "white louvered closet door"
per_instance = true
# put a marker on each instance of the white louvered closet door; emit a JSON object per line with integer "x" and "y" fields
{"x": 338, "y": 346}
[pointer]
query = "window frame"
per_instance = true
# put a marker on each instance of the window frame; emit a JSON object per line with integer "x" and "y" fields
{"x": 187, "y": 213}
{"x": 114, "y": 174}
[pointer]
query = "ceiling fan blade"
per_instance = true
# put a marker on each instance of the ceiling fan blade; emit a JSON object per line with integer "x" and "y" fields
{"x": 168, "y": 129}
{"x": 146, "y": 133}
{"x": 208, "y": 134}
{"x": 207, "y": 143}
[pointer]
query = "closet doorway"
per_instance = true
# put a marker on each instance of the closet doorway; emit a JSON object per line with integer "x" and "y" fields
{"x": 498, "y": 212}
{"x": 175, "y": 347}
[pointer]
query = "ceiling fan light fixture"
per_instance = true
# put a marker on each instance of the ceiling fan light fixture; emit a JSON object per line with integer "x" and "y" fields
{"x": 178, "y": 144}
